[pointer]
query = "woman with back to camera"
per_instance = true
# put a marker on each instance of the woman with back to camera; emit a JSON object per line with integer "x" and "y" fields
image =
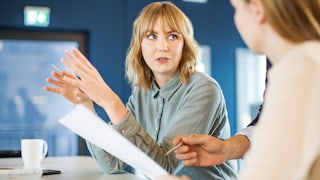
{"x": 286, "y": 142}
{"x": 169, "y": 96}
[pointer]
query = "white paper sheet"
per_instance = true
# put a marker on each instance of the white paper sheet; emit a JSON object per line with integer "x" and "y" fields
{"x": 89, "y": 126}
{"x": 20, "y": 174}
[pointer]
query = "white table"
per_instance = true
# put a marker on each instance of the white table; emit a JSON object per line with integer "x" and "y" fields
{"x": 72, "y": 167}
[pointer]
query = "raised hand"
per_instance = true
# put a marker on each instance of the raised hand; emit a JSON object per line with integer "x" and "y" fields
{"x": 89, "y": 80}
{"x": 90, "y": 83}
{"x": 67, "y": 90}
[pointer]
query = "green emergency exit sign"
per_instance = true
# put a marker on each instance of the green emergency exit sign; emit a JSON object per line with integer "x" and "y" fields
{"x": 36, "y": 16}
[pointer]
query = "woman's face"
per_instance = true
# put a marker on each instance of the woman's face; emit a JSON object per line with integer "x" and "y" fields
{"x": 247, "y": 23}
{"x": 162, "y": 50}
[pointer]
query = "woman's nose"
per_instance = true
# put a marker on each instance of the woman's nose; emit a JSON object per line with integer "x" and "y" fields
{"x": 162, "y": 45}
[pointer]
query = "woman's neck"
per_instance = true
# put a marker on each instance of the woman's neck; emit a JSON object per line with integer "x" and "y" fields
{"x": 277, "y": 47}
{"x": 161, "y": 80}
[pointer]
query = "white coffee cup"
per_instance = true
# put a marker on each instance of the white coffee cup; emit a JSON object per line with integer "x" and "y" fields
{"x": 33, "y": 151}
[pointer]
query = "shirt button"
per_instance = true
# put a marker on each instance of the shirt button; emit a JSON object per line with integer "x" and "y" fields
{"x": 123, "y": 131}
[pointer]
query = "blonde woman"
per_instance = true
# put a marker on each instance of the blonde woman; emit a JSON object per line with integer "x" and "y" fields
{"x": 169, "y": 96}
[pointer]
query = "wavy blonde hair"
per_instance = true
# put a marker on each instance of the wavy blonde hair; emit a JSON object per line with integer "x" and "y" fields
{"x": 295, "y": 20}
{"x": 137, "y": 71}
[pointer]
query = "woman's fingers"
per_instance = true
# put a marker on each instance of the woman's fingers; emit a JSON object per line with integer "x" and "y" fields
{"x": 80, "y": 64}
{"x": 51, "y": 89}
{"x": 82, "y": 58}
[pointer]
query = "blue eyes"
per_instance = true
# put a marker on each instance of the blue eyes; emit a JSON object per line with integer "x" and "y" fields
{"x": 151, "y": 36}
{"x": 171, "y": 37}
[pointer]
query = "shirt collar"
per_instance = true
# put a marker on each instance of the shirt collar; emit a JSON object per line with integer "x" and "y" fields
{"x": 168, "y": 89}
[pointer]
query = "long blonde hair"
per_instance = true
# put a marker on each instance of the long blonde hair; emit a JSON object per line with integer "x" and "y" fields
{"x": 296, "y": 20}
{"x": 137, "y": 71}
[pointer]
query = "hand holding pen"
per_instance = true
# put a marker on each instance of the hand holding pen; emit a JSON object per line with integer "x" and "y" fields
{"x": 174, "y": 148}
{"x": 177, "y": 146}
{"x": 201, "y": 150}
{"x": 57, "y": 69}
{"x": 88, "y": 84}
{"x": 70, "y": 92}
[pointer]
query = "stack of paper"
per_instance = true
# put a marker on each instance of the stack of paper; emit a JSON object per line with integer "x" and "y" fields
{"x": 21, "y": 174}
{"x": 84, "y": 122}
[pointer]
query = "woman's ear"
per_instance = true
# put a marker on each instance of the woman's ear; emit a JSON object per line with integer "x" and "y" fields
{"x": 259, "y": 10}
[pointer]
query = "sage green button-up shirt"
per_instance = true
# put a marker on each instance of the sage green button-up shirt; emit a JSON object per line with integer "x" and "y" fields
{"x": 157, "y": 116}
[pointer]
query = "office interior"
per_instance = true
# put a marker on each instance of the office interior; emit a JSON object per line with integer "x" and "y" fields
{"x": 106, "y": 27}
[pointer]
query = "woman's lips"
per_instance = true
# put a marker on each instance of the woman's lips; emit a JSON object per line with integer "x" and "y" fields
{"x": 162, "y": 59}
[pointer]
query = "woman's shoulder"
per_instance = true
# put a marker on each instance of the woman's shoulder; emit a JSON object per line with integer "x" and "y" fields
{"x": 305, "y": 54}
{"x": 200, "y": 77}
{"x": 301, "y": 62}
{"x": 312, "y": 49}
{"x": 202, "y": 80}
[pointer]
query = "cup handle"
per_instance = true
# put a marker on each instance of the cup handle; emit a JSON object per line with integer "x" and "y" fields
{"x": 45, "y": 148}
